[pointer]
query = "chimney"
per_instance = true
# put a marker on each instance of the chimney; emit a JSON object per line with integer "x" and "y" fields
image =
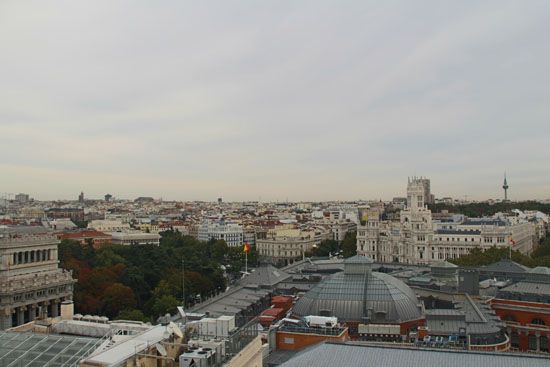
{"x": 67, "y": 310}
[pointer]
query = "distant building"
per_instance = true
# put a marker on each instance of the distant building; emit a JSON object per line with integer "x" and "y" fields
{"x": 74, "y": 214}
{"x": 81, "y": 197}
{"x": 144, "y": 200}
{"x": 108, "y": 225}
{"x": 31, "y": 284}
{"x": 231, "y": 233}
{"x": 133, "y": 237}
{"x": 96, "y": 238}
{"x": 108, "y": 197}
{"x": 285, "y": 245}
{"x": 22, "y": 198}
{"x": 418, "y": 239}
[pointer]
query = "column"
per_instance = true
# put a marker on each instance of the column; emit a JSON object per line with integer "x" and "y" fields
{"x": 20, "y": 315}
{"x": 5, "y": 319}
{"x": 538, "y": 341}
{"x": 55, "y": 309}
{"x": 32, "y": 312}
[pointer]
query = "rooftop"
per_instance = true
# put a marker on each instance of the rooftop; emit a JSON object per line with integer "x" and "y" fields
{"x": 352, "y": 355}
{"x": 32, "y": 349}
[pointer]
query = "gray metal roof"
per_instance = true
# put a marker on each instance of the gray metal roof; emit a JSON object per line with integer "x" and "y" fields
{"x": 265, "y": 276}
{"x": 351, "y": 355}
{"x": 505, "y": 266}
{"x": 540, "y": 270}
{"x": 349, "y": 296}
{"x": 528, "y": 288}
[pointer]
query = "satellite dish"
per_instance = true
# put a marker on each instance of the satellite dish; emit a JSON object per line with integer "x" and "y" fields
{"x": 175, "y": 329}
{"x": 182, "y": 312}
{"x": 161, "y": 349}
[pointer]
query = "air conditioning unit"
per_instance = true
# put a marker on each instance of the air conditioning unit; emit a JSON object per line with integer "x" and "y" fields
{"x": 198, "y": 357}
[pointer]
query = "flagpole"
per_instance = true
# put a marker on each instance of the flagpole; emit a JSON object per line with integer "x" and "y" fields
{"x": 246, "y": 262}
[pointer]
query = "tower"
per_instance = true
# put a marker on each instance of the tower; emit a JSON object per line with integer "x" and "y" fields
{"x": 505, "y": 187}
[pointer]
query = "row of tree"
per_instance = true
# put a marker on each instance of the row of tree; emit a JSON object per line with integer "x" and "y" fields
{"x": 143, "y": 282}
{"x": 488, "y": 209}
{"x": 477, "y": 257}
{"x": 347, "y": 248}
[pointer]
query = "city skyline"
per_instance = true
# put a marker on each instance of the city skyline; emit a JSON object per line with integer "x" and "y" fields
{"x": 279, "y": 100}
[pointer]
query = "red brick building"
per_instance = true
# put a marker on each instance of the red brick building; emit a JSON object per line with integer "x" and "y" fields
{"x": 527, "y": 323}
{"x": 97, "y": 238}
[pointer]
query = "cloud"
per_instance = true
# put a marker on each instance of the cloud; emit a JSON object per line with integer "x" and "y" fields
{"x": 306, "y": 100}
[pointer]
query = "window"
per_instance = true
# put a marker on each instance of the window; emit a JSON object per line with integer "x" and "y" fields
{"x": 543, "y": 343}
{"x": 532, "y": 342}
{"x": 509, "y": 318}
{"x": 538, "y": 321}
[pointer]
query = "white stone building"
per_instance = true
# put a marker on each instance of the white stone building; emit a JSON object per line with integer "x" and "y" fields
{"x": 417, "y": 239}
{"x": 285, "y": 245}
{"x": 31, "y": 284}
{"x": 231, "y": 233}
{"x": 134, "y": 237}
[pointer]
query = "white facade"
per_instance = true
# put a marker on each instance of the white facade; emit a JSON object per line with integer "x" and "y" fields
{"x": 133, "y": 237}
{"x": 283, "y": 245}
{"x": 107, "y": 225}
{"x": 231, "y": 233}
{"x": 417, "y": 239}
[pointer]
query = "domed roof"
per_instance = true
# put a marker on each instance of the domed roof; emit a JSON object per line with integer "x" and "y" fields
{"x": 362, "y": 296}
{"x": 540, "y": 270}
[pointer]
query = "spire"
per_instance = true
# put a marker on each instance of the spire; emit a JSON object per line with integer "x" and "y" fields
{"x": 505, "y": 187}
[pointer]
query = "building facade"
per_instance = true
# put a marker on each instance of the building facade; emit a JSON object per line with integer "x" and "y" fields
{"x": 418, "y": 239}
{"x": 31, "y": 284}
{"x": 525, "y": 308}
{"x": 285, "y": 245}
{"x": 231, "y": 233}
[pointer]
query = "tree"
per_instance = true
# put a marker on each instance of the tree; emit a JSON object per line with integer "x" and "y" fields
{"x": 163, "y": 305}
{"x": 132, "y": 314}
{"x": 118, "y": 297}
{"x": 325, "y": 248}
{"x": 349, "y": 244}
{"x": 105, "y": 256}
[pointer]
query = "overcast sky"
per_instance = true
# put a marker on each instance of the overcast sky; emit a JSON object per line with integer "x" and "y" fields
{"x": 297, "y": 100}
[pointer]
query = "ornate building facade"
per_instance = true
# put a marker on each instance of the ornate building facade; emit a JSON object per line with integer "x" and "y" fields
{"x": 31, "y": 284}
{"x": 418, "y": 239}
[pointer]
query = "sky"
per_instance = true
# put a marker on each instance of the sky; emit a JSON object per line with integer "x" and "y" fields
{"x": 274, "y": 100}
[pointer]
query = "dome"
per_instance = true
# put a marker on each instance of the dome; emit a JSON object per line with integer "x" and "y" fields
{"x": 361, "y": 295}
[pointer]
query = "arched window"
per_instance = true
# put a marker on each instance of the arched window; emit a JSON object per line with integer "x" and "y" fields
{"x": 537, "y": 321}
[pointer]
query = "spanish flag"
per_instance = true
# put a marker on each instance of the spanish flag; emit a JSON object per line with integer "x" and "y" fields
{"x": 246, "y": 248}
{"x": 512, "y": 242}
